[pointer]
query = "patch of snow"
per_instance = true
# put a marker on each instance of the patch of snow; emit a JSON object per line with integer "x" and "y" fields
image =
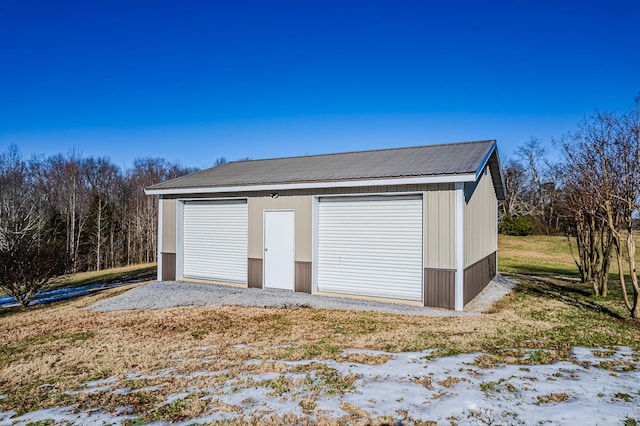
{"x": 175, "y": 397}
{"x": 136, "y": 375}
{"x": 597, "y": 355}
{"x": 204, "y": 348}
{"x": 100, "y": 382}
{"x": 68, "y": 415}
{"x": 242, "y": 346}
{"x": 89, "y": 391}
{"x": 204, "y": 373}
{"x": 6, "y": 416}
{"x": 129, "y": 391}
{"x": 165, "y": 372}
{"x": 202, "y": 360}
{"x": 373, "y": 352}
{"x": 410, "y": 384}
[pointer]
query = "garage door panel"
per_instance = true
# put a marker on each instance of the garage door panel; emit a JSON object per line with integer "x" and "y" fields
{"x": 215, "y": 240}
{"x": 371, "y": 247}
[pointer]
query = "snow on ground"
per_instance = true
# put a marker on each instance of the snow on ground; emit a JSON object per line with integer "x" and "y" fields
{"x": 599, "y": 386}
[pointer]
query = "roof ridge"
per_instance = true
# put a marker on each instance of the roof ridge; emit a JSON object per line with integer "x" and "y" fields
{"x": 364, "y": 151}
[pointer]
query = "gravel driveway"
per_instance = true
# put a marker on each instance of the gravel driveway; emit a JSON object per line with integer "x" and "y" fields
{"x": 168, "y": 294}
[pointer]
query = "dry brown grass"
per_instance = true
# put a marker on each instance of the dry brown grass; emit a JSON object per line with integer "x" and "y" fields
{"x": 543, "y": 255}
{"x": 122, "y": 273}
{"x": 552, "y": 397}
{"x": 535, "y": 253}
{"x": 64, "y": 345}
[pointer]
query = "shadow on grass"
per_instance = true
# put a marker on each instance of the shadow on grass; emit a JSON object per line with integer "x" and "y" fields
{"x": 78, "y": 287}
{"x": 539, "y": 270}
{"x": 569, "y": 294}
{"x": 140, "y": 274}
{"x": 7, "y": 312}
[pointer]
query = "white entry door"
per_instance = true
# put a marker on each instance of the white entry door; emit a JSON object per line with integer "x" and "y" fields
{"x": 279, "y": 249}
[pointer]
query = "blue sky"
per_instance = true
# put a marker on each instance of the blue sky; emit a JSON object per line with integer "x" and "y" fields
{"x": 191, "y": 81}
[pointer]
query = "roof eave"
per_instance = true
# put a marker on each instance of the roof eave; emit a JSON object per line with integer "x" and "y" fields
{"x": 416, "y": 180}
{"x": 493, "y": 159}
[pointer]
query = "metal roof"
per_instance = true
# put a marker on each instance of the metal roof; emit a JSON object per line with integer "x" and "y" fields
{"x": 446, "y": 161}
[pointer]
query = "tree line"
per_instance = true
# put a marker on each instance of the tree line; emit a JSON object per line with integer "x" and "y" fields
{"x": 69, "y": 213}
{"x": 590, "y": 194}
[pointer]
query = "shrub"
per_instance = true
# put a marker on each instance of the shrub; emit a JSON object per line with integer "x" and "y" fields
{"x": 28, "y": 265}
{"x": 516, "y": 225}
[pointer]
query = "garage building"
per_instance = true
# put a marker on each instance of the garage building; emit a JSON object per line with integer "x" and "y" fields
{"x": 413, "y": 225}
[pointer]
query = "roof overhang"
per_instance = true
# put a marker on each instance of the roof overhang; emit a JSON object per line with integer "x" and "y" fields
{"x": 491, "y": 158}
{"x": 469, "y": 177}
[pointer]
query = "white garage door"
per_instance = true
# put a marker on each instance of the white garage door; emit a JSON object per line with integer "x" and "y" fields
{"x": 215, "y": 240}
{"x": 371, "y": 246}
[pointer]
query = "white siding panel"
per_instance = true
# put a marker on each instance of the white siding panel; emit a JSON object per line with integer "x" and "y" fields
{"x": 371, "y": 246}
{"x": 215, "y": 240}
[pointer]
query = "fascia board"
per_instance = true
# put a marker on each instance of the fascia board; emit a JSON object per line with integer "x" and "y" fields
{"x": 485, "y": 160}
{"x": 469, "y": 177}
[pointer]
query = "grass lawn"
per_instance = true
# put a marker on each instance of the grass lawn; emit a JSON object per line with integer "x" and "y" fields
{"x": 536, "y": 254}
{"x": 141, "y": 272}
{"x": 52, "y": 349}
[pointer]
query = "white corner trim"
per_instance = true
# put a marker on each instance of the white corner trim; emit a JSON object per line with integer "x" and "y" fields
{"x": 314, "y": 244}
{"x": 159, "y": 248}
{"x": 179, "y": 240}
{"x": 459, "y": 247}
{"x": 470, "y": 177}
{"x": 497, "y": 249}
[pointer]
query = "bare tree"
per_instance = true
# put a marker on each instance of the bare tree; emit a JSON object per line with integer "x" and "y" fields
{"x": 143, "y": 210}
{"x": 30, "y": 256}
{"x": 590, "y": 179}
{"x": 532, "y": 155}
{"x": 602, "y": 191}
{"x": 623, "y": 202}
{"x": 514, "y": 203}
{"x": 101, "y": 175}
{"x": 94, "y": 214}
{"x": 531, "y": 190}
{"x": 68, "y": 196}
{"x": 29, "y": 261}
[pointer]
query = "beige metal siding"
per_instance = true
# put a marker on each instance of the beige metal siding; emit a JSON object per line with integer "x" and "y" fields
{"x": 439, "y": 226}
{"x": 480, "y": 224}
{"x": 301, "y": 204}
{"x": 439, "y": 213}
{"x": 168, "y": 226}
